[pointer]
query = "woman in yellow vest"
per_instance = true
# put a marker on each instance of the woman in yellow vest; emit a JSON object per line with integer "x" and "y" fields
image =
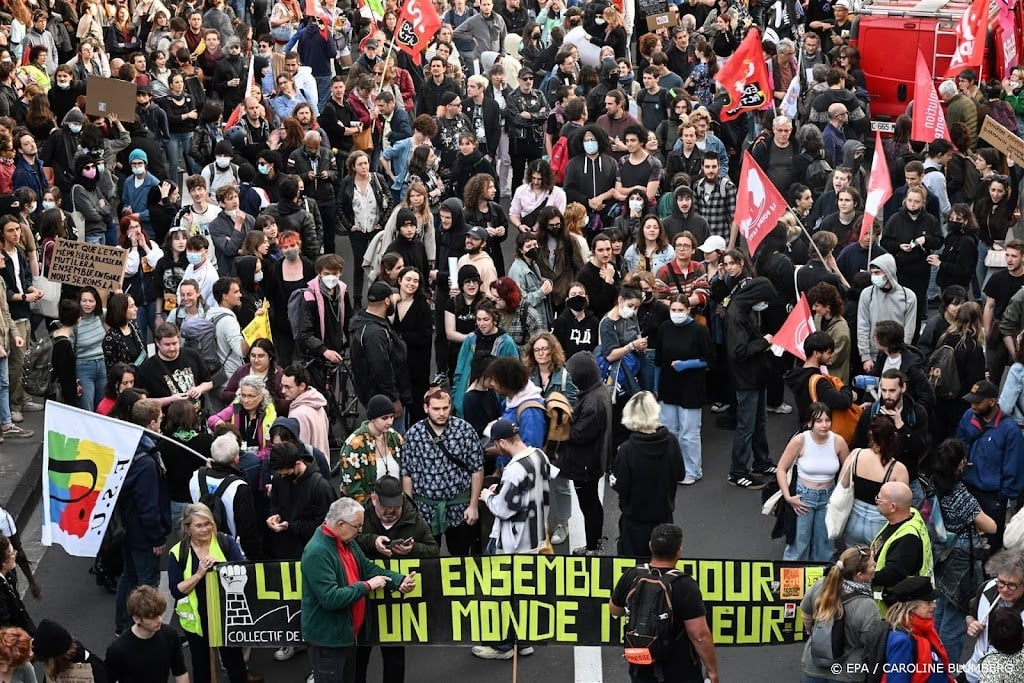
{"x": 199, "y": 550}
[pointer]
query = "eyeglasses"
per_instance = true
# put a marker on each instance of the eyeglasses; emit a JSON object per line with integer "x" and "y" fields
{"x": 357, "y": 528}
{"x": 455, "y": 104}
{"x": 1007, "y": 585}
{"x": 555, "y": 225}
{"x": 248, "y": 397}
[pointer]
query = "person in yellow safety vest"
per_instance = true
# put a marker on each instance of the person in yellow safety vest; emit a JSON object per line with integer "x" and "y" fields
{"x": 200, "y": 548}
{"x": 902, "y": 548}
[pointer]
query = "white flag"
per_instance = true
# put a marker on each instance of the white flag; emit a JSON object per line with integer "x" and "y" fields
{"x": 85, "y": 459}
{"x": 789, "y": 102}
{"x": 252, "y": 76}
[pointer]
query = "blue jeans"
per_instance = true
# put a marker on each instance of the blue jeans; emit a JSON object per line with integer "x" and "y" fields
{"x": 981, "y": 270}
{"x": 323, "y": 92}
{"x": 141, "y": 568}
{"x": 811, "y": 543}
{"x": 863, "y": 525}
{"x": 646, "y": 374}
{"x": 751, "y": 432}
{"x": 178, "y": 145}
{"x": 146, "y": 322}
{"x": 92, "y": 376}
{"x": 5, "y": 393}
{"x": 951, "y": 627}
{"x": 685, "y": 424}
{"x": 96, "y": 238}
{"x": 561, "y": 498}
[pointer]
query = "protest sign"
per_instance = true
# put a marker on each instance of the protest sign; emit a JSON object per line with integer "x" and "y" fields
{"x": 88, "y": 265}
{"x": 1000, "y": 137}
{"x": 106, "y": 96}
{"x": 555, "y": 599}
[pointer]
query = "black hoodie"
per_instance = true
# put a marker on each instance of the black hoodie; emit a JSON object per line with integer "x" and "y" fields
{"x": 252, "y": 295}
{"x": 644, "y": 475}
{"x": 450, "y": 243}
{"x": 677, "y": 221}
{"x": 744, "y": 339}
{"x": 585, "y": 456}
{"x": 798, "y": 380}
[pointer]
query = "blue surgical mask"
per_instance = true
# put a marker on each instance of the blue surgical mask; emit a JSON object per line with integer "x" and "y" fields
{"x": 193, "y": 257}
{"x": 75, "y": 128}
{"x": 878, "y": 280}
{"x": 264, "y": 169}
{"x": 760, "y": 307}
{"x": 258, "y": 277}
{"x": 49, "y": 205}
{"x": 590, "y": 146}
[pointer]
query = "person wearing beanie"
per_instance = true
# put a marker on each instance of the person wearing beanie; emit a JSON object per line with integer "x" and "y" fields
{"x": 372, "y": 451}
{"x": 135, "y": 193}
{"x": 59, "y": 150}
{"x": 63, "y": 657}
{"x": 87, "y": 199}
{"x": 407, "y": 244}
{"x": 460, "y": 313}
{"x": 223, "y": 171}
{"x": 230, "y": 74}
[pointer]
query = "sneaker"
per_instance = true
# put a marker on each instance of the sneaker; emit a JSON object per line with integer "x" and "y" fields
{"x": 746, "y": 483}
{"x": 488, "y": 652}
{"x": 719, "y": 407}
{"x": 16, "y": 416}
{"x": 781, "y": 409}
{"x": 585, "y": 551}
{"x": 560, "y": 535}
{"x": 16, "y": 432}
{"x": 771, "y": 469}
{"x": 285, "y": 653}
{"x": 526, "y": 651}
{"x": 311, "y": 679}
{"x": 30, "y": 407}
{"x": 690, "y": 481}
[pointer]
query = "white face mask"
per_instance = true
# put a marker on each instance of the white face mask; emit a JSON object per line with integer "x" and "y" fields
{"x": 330, "y": 281}
{"x": 626, "y": 311}
{"x": 878, "y": 280}
{"x": 258, "y": 277}
{"x": 679, "y": 318}
{"x": 223, "y": 162}
{"x": 636, "y": 205}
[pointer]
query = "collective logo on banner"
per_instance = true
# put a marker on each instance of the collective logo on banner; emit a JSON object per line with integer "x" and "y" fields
{"x": 970, "y": 37}
{"x": 745, "y": 77}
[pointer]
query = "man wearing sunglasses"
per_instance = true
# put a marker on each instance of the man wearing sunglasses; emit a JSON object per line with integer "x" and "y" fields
{"x": 525, "y": 113}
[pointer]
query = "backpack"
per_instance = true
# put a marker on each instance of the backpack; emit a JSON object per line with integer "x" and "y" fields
{"x": 648, "y": 635}
{"x": 295, "y": 312}
{"x": 37, "y": 376}
{"x": 213, "y": 499}
{"x": 200, "y": 335}
{"x": 876, "y": 642}
{"x": 827, "y": 642}
{"x": 816, "y": 176}
{"x": 1003, "y": 114}
{"x": 844, "y": 422}
{"x": 943, "y": 539}
{"x": 972, "y": 178}
{"x": 943, "y": 374}
{"x": 560, "y": 159}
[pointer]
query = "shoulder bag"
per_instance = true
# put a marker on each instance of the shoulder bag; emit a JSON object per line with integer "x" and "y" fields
{"x": 48, "y": 305}
{"x": 840, "y": 503}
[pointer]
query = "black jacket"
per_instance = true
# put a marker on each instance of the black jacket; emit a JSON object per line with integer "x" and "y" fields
{"x": 346, "y": 214}
{"x": 900, "y": 229}
{"x": 291, "y": 216}
{"x": 301, "y": 501}
{"x": 319, "y": 189}
{"x": 747, "y": 348}
{"x": 914, "y": 439}
{"x": 248, "y": 526}
{"x": 490, "y": 112}
{"x": 645, "y": 473}
{"x": 378, "y": 359}
{"x": 585, "y": 455}
{"x": 409, "y": 525}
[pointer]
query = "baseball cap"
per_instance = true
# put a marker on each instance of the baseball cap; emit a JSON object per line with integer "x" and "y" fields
{"x": 389, "y": 492}
{"x": 501, "y": 429}
{"x": 477, "y": 232}
{"x": 379, "y": 291}
{"x": 713, "y": 243}
{"x": 981, "y": 390}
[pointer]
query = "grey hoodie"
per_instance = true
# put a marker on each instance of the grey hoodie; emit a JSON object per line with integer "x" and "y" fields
{"x": 892, "y": 301}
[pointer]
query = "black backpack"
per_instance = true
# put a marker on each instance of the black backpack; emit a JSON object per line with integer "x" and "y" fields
{"x": 943, "y": 374}
{"x": 213, "y": 499}
{"x": 876, "y": 642}
{"x": 649, "y": 634}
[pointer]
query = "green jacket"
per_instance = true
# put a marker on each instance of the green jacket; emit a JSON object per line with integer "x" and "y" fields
{"x": 409, "y": 525}
{"x": 327, "y": 597}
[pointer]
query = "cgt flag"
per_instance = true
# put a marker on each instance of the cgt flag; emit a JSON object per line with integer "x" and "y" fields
{"x": 759, "y": 206}
{"x": 929, "y": 120}
{"x": 970, "y": 37}
{"x": 745, "y": 77}
{"x": 85, "y": 459}
{"x": 417, "y": 24}
{"x": 879, "y": 187}
{"x": 795, "y": 330}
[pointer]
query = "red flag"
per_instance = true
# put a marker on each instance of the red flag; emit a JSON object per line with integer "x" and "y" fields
{"x": 879, "y": 187}
{"x": 970, "y": 39}
{"x": 759, "y": 205}
{"x": 417, "y": 24}
{"x": 745, "y": 77}
{"x": 929, "y": 119}
{"x": 795, "y": 330}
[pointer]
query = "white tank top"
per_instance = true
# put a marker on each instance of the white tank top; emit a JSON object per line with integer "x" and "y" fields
{"x": 819, "y": 462}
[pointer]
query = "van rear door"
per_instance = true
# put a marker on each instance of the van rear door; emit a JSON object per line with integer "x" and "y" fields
{"x": 888, "y": 46}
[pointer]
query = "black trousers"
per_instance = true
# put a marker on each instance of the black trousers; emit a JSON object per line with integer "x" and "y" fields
{"x": 593, "y": 511}
{"x": 463, "y": 540}
{"x": 392, "y": 657}
{"x": 359, "y": 242}
{"x": 522, "y": 152}
{"x": 333, "y": 664}
{"x": 232, "y": 657}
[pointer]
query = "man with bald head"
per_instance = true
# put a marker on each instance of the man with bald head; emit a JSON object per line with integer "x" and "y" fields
{"x": 902, "y": 548}
{"x": 834, "y": 134}
{"x": 314, "y": 163}
{"x": 252, "y": 133}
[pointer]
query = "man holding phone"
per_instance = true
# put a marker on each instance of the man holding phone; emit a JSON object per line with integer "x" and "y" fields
{"x": 392, "y": 528}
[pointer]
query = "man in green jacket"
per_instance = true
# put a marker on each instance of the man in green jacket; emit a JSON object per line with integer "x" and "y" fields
{"x": 336, "y": 578}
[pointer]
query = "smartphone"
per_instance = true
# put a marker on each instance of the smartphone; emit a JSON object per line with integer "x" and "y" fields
{"x": 391, "y": 542}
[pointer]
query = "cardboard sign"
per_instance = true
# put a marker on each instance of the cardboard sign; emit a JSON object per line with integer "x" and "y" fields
{"x": 106, "y": 96}
{"x": 88, "y": 265}
{"x": 662, "y": 20}
{"x": 995, "y": 134}
{"x": 650, "y": 7}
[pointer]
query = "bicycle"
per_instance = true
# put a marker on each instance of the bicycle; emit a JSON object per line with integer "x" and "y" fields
{"x": 339, "y": 389}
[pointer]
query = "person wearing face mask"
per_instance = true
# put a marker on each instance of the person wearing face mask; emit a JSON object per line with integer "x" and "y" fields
{"x": 200, "y": 269}
{"x": 959, "y": 255}
{"x": 223, "y": 171}
{"x": 910, "y": 235}
{"x": 326, "y": 307}
{"x": 249, "y": 270}
{"x": 379, "y": 355}
{"x": 87, "y": 199}
{"x": 749, "y": 353}
{"x": 525, "y": 272}
{"x": 293, "y": 272}
{"x": 559, "y": 257}
{"x": 885, "y": 299}
{"x": 59, "y": 150}
{"x": 590, "y": 174}
{"x": 135, "y": 193}
{"x": 620, "y": 346}
{"x": 576, "y": 328}
{"x": 65, "y": 92}
{"x": 995, "y": 457}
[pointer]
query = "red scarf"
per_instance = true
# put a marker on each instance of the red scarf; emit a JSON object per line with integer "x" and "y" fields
{"x": 925, "y": 641}
{"x": 348, "y": 561}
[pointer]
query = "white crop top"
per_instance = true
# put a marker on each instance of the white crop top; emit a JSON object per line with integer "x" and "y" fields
{"x": 819, "y": 462}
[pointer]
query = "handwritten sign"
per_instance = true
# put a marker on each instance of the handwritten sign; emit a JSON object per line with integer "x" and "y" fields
{"x": 88, "y": 265}
{"x": 997, "y": 135}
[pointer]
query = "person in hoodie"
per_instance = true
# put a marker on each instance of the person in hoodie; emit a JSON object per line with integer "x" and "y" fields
{"x": 591, "y": 173}
{"x": 89, "y": 201}
{"x": 524, "y": 402}
{"x": 684, "y": 218}
{"x": 290, "y": 214}
{"x": 407, "y": 244}
{"x": 326, "y": 307}
{"x": 749, "y": 353}
{"x": 819, "y": 348}
{"x": 911, "y": 235}
{"x": 894, "y": 352}
{"x": 298, "y": 501}
{"x": 59, "y": 150}
{"x": 644, "y": 475}
{"x": 379, "y": 356}
{"x": 885, "y": 299}
{"x": 450, "y": 243}
{"x": 307, "y": 408}
{"x": 249, "y": 270}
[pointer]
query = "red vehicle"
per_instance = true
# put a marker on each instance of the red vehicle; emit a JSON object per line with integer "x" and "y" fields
{"x": 888, "y": 34}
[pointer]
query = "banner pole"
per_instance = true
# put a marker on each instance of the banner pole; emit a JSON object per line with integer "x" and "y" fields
{"x": 180, "y": 445}
{"x": 213, "y": 664}
{"x": 515, "y": 661}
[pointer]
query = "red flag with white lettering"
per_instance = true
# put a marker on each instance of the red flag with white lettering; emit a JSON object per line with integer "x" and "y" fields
{"x": 929, "y": 119}
{"x": 745, "y": 77}
{"x": 417, "y": 24}
{"x": 879, "y": 187}
{"x": 795, "y": 330}
{"x": 970, "y": 39}
{"x": 759, "y": 205}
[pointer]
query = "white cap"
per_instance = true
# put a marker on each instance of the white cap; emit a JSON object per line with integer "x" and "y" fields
{"x": 713, "y": 243}
{"x": 841, "y": 3}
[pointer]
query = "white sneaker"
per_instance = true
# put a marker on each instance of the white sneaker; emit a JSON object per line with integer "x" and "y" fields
{"x": 285, "y": 653}
{"x": 781, "y": 409}
{"x": 559, "y": 535}
{"x": 488, "y": 652}
{"x": 690, "y": 481}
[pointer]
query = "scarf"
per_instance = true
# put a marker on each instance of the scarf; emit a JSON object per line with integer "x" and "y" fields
{"x": 925, "y": 641}
{"x": 348, "y": 561}
{"x": 854, "y": 587}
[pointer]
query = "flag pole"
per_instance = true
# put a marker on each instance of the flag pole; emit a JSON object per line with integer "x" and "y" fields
{"x": 158, "y": 435}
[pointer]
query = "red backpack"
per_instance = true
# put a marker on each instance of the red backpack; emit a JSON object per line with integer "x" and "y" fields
{"x": 560, "y": 158}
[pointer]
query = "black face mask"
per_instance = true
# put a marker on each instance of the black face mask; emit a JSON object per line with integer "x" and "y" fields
{"x": 576, "y": 303}
{"x": 957, "y": 226}
{"x": 532, "y": 254}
